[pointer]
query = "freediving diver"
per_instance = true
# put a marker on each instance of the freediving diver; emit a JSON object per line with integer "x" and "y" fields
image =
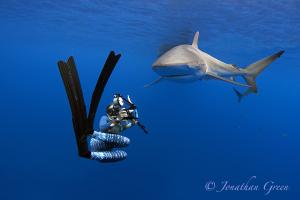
{"x": 121, "y": 115}
{"x": 92, "y": 144}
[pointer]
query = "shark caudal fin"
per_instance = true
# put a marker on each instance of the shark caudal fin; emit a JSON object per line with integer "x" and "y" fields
{"x": 256, "y": 68}
{"x": 253, "y": 70}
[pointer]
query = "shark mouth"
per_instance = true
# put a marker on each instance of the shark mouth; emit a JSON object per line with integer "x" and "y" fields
{"x": 175, "y": 71}
{"x": 176, "y": 76}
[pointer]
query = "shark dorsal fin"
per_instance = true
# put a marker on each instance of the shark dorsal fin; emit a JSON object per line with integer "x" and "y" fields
{"x": 195, "y": 41}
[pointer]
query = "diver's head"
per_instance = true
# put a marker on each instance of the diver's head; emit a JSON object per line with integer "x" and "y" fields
{"x": 118, "y": 100}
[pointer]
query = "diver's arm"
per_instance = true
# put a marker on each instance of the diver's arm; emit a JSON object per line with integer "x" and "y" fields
{"x": 132, "y": 121}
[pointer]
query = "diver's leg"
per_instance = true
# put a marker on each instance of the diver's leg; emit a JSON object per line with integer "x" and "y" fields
{"x": 101, "y": 144}
{"x": 99, "y": 141}
{"x": 104, "y": 123}
{"x": 109, "y": 156}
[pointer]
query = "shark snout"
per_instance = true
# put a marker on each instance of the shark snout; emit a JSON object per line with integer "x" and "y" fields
{"x": 156, "y": 65}
{"x": 160, "y": 63}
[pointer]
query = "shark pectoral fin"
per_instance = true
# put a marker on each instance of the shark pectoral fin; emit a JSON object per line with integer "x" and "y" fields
{"x": 153, "y": 82}
{"x": 243, "y": 94}
{"x": 225, "y": 79}
{"x": 238, "y": 94}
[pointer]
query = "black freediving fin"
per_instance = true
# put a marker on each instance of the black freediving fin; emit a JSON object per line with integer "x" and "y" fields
{"x": 77, "y": 85}
{"x": 74, "y": 92}
{"x": 107, "y": 69}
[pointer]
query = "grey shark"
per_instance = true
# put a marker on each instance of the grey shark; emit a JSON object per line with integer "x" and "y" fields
{"x": 188, "y": 63}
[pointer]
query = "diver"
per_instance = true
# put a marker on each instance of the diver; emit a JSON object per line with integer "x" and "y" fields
{"x": 90, "y": 143}
{"x": 121, "y": 115}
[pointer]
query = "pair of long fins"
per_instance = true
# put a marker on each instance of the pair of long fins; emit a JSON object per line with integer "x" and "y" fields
{"x": 83, "y": 123}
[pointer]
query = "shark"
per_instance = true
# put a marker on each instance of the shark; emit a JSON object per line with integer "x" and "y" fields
{"x": 187, "y": 63}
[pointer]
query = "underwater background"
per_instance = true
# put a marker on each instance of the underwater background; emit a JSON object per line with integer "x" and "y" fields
{"x": 198, "y": 131}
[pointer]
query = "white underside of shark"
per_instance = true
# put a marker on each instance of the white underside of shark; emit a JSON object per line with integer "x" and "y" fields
{"x": 188, "y": 63}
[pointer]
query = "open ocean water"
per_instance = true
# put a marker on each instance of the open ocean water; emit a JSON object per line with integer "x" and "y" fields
{"x": 199, "y": 133}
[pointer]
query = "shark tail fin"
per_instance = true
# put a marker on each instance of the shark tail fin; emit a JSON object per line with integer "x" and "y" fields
{"x": 253, "y": 70}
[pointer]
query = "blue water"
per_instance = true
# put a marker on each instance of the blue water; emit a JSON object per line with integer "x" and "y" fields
{"x": 198, "y": 131}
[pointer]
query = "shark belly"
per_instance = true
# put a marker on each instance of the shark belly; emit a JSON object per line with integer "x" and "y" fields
{"x": 220, "y": 71}
{"x": 180, "y": 73}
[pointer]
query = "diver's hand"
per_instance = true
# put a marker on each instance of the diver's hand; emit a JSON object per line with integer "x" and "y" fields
{"x": 101, "y": 146}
